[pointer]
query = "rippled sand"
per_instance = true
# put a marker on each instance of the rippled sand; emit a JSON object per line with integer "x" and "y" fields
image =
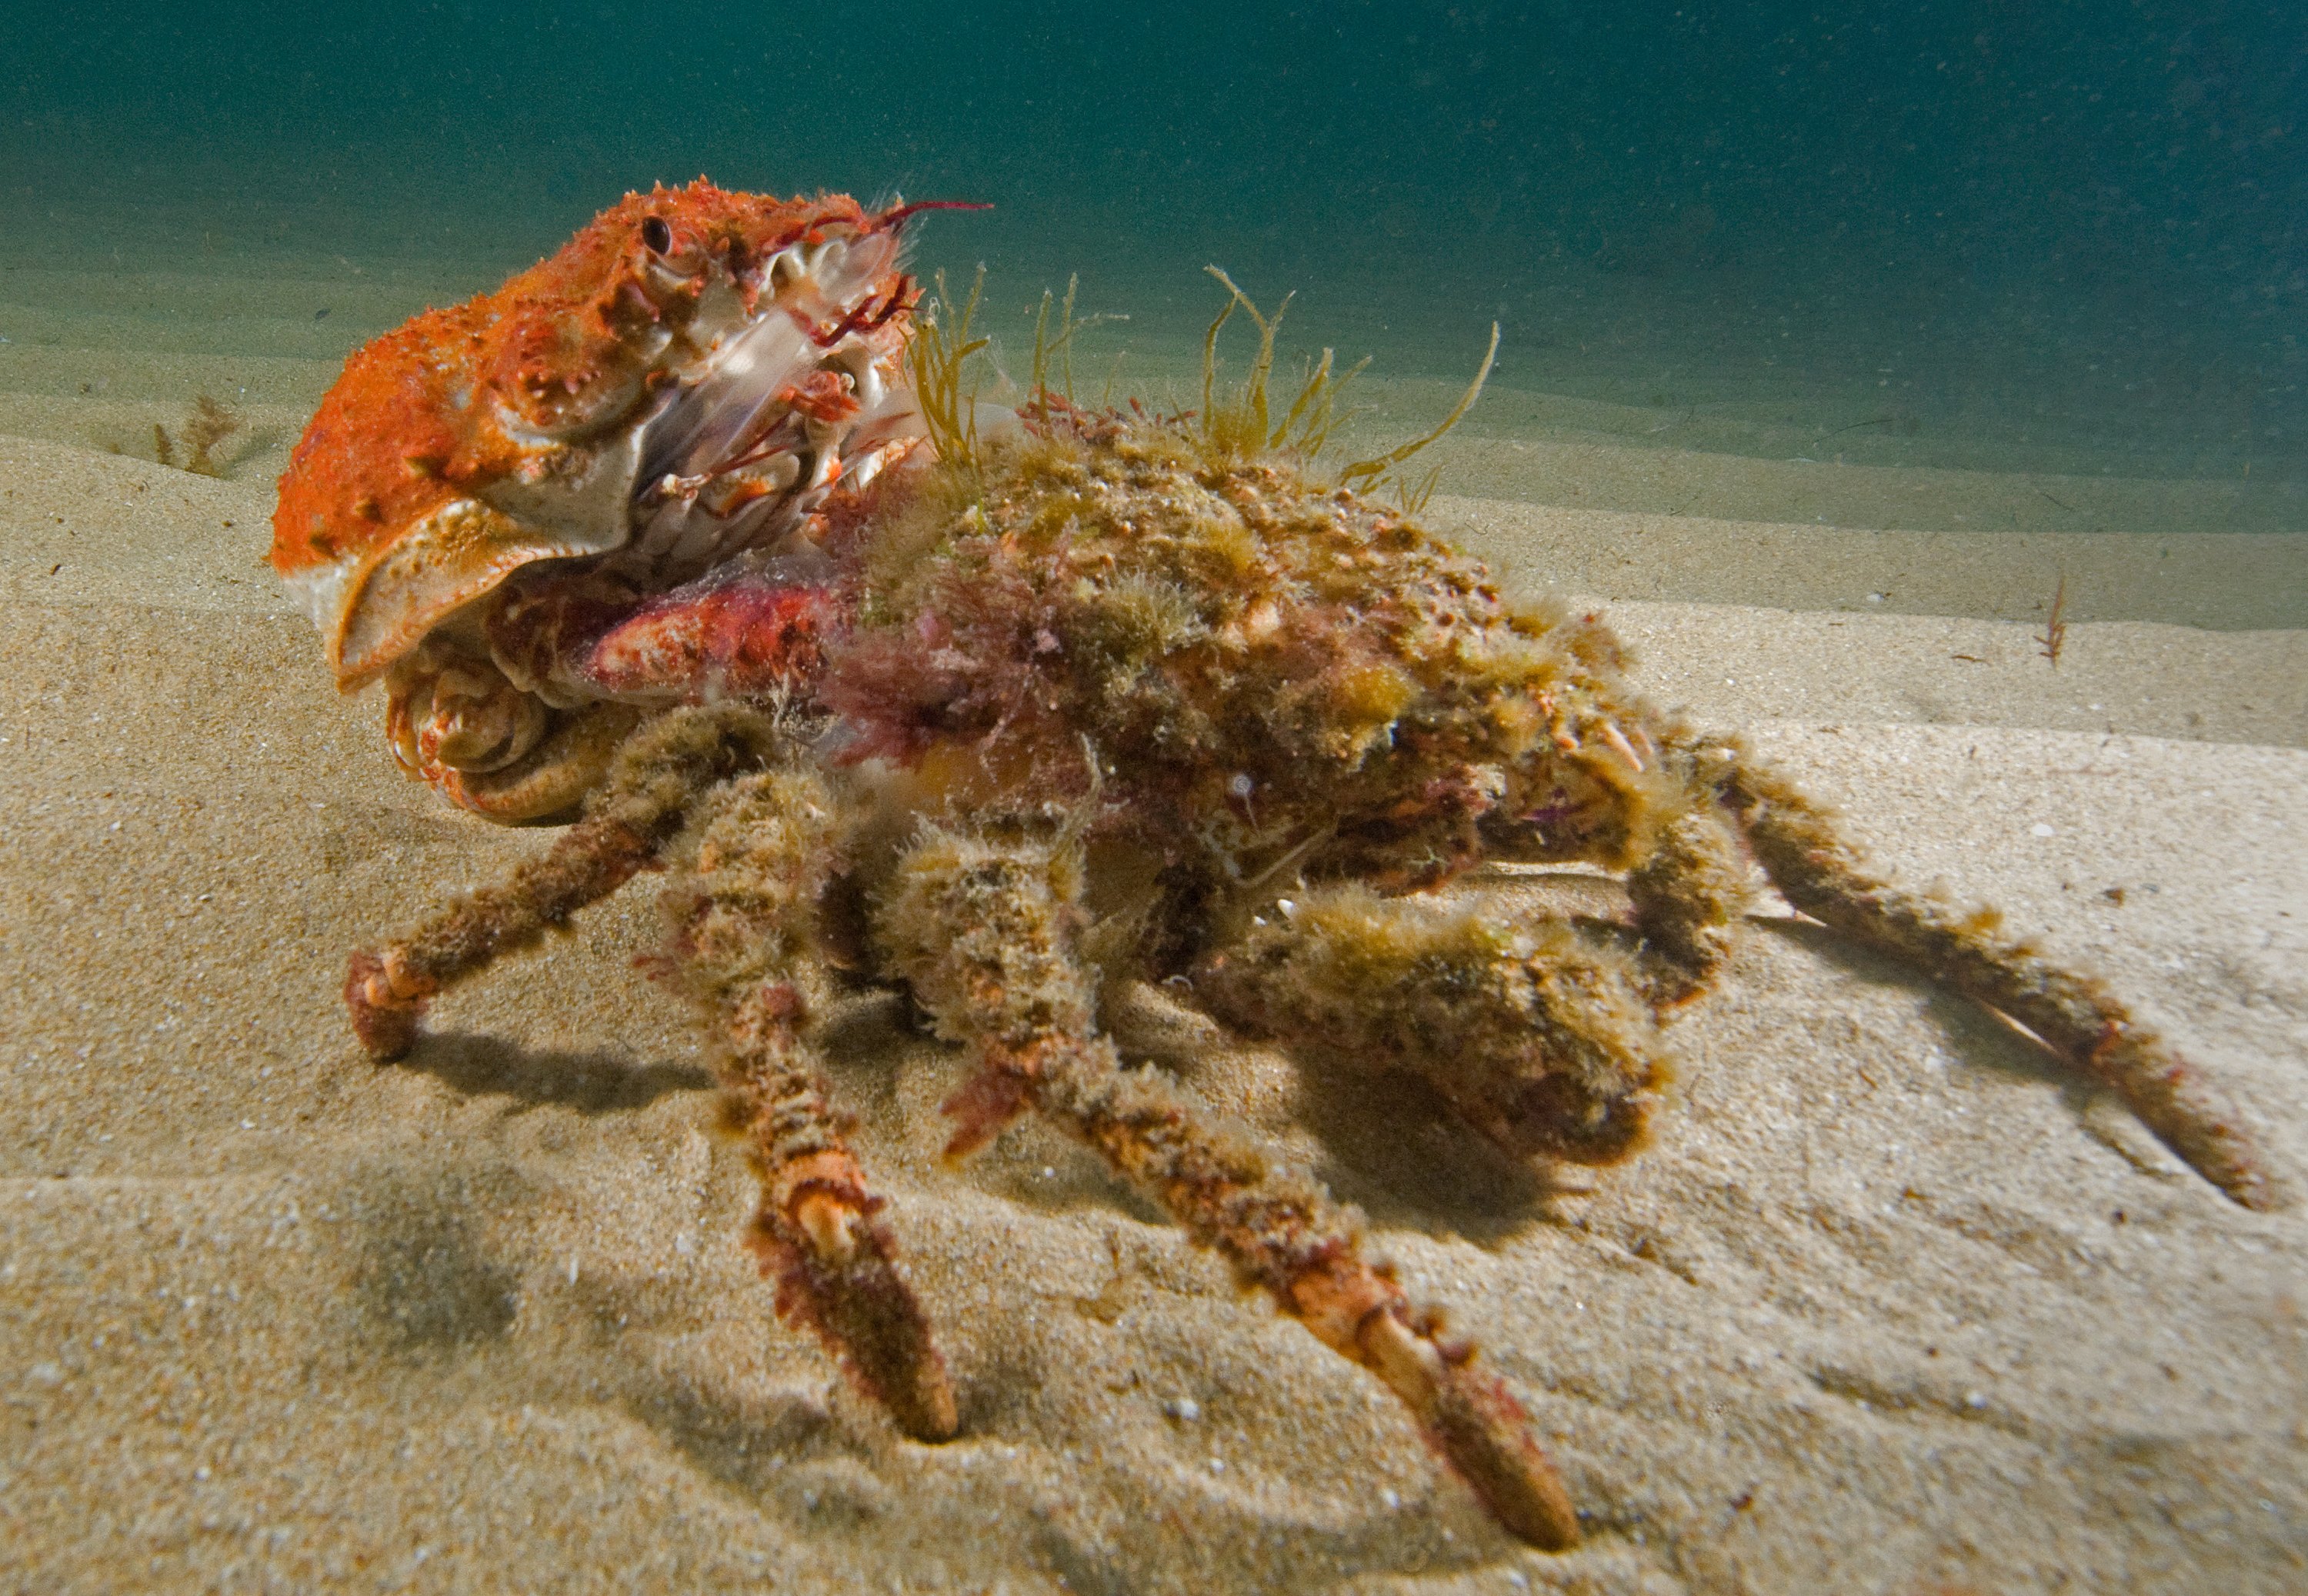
{"x": 1890, "y": 1306}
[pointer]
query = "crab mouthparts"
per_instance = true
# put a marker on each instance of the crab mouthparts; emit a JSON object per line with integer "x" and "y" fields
{"x": 778, "y": 405}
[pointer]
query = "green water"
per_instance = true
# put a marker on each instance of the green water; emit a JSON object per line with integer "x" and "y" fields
{"x": 2069, "y": 239}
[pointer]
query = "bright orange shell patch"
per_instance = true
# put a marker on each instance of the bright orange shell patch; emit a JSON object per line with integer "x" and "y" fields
{"x": 462, "y": 399}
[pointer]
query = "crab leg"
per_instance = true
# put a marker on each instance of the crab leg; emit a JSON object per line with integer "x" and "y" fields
{"x": 743, "y": 922}
{"x": 981, "y": 931}
{"x": 1966, "y": 949}
{"x": 655, "y": 781}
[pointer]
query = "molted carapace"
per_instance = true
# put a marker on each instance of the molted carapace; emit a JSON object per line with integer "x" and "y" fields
{"x": 489, "y": 491}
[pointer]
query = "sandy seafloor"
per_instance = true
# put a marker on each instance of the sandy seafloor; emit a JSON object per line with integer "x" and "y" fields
{"x": 1889, "y": 1307}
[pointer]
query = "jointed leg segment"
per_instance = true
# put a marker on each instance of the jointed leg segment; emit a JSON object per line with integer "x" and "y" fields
{"x": 1965, "y": 950}
{"x": 981, "y": 930}
{"x": 658, "y": 778}
{"x": 1545, "y": 1036}
{"x": 743, "y": 925}
{"x": 759, "y": 850}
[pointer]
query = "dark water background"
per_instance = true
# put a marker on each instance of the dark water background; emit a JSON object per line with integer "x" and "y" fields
{"x": 1973, "y": 230}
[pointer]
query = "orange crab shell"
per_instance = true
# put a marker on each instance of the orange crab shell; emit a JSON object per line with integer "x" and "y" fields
{"x": 385, "y": 523}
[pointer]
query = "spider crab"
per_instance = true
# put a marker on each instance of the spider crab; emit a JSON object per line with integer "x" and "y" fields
{"x": 664, "y": 528}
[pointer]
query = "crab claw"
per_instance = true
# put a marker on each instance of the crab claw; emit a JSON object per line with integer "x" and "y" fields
{"x": 471, "y": 720}
{"x": 739, "y": 633}
{"x": 488, "y": 746}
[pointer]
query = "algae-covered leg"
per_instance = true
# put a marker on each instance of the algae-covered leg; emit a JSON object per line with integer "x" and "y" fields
{"x": 743, "y": 918}
{"x": 1689, "y": 893}
{"x": 1539, "y": 1035}
{"x": 1966, "y": 949}
{"x": 656, "y": 778}
{"x": 983, "y": 931}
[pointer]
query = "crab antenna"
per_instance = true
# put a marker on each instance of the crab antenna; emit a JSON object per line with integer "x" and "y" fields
{"x": 896, "y": 218}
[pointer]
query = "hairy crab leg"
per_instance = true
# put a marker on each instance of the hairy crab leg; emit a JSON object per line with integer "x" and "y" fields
{"x": 981, "y": 930}
{"x": 1966, "y": 949}
{"x": 656, "y": 779}
{"x": 742, "y": 916}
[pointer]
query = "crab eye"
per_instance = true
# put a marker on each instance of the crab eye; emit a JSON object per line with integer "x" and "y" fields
{"x": 657, "y": 235}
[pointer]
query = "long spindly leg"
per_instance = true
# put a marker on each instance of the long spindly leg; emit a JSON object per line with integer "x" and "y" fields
{"x": 983, "y": 931}
{"x": 1539, "y": 1035}
{"x": 656, "y": 779}
{"x": 1965, "y": 948}
{"x": 743, "y": 925}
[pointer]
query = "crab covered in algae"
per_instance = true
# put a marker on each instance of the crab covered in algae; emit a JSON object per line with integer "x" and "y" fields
{"x": 1019, "y": 721}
